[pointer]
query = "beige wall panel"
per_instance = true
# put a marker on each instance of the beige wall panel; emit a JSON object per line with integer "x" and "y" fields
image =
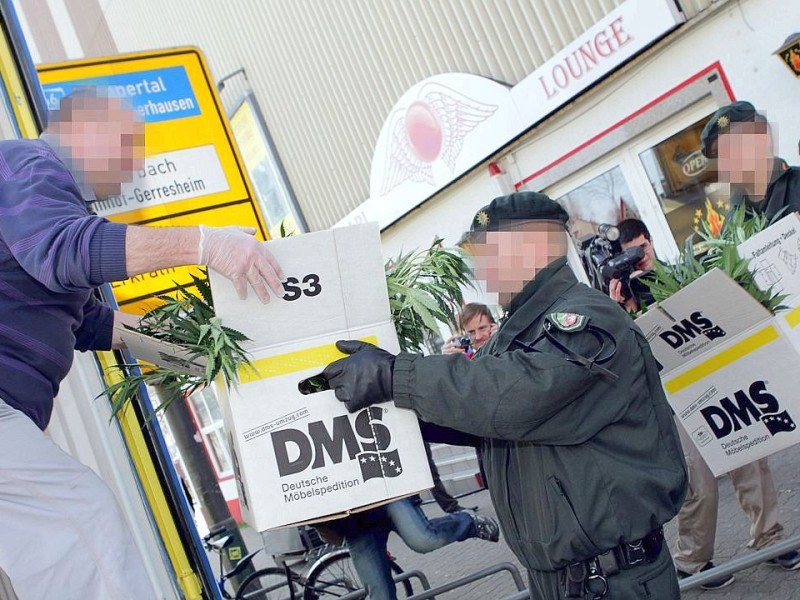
{"x": 326, "y": 73}
{"x": 90, "y": 26}
{"x": 44, "y": 29}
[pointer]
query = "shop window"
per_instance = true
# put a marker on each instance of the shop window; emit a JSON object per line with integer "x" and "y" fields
{"x": 203, "y": 403}
{"x": 603, "y": 199}
{"x": 684, "y": 181}
{"x": 209, "y": 419}
{"x": 219, "y": 451}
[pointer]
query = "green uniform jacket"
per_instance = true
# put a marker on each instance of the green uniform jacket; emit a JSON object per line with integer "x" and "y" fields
{"x": 576, "y": 463}
{"x": 783, "y": 192}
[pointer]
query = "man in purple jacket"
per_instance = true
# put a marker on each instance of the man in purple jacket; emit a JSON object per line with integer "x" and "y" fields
{"x": 61, "y": 532}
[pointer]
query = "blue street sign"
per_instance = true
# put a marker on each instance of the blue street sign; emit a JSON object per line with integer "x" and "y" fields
{"x": 156, "y": 95}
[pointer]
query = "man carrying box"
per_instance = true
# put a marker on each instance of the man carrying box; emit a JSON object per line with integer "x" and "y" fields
{"x": 697, "y": 519}
{"x": 740, "y": 140}
{"x": 61, "y": 532}
{"x": 581, "y": 453}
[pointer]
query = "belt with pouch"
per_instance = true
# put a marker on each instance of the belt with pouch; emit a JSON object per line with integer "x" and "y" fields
{"x": 589, "y": 578}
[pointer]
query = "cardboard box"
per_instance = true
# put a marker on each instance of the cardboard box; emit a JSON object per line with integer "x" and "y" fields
{"x": 163, "y": 354}
{"x": 775, "y": 262}
{"x": 728, "y": 370}
{"x": 699, "y": 318}
{"x": 303, "y": 458}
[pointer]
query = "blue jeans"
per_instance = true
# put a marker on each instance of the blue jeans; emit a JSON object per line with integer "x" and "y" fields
{"x": 366, "y": 538}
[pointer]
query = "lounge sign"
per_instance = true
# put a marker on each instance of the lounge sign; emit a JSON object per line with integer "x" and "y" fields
{"x": 445, "y": 125}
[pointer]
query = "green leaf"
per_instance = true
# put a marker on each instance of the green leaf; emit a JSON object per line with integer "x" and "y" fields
{"x": 425, "y": 289}
{"x": 188, "y": 320}
{"x": 720, "y": 252}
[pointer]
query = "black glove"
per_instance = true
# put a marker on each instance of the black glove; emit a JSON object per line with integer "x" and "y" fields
{"x": 362, "y": 379}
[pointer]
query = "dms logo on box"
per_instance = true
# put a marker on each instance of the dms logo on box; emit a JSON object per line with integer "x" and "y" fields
{"x": 746, "y": 407}
{"x": 687, "y": 329}
{"x": 321, "y": 444}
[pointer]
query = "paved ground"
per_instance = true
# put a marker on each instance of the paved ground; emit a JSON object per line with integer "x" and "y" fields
{"x": 762, "y": 581}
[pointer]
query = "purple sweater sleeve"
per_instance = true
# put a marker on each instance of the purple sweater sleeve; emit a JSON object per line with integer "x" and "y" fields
{"x": 96, "y": 330}
{"x": 45, "y": 223}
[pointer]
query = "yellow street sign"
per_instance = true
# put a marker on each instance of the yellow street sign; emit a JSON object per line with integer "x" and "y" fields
{"x": 193, "y": 172}
{"x": 269, "y": 185}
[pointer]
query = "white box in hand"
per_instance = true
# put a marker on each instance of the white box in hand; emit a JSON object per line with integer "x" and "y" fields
{"x": 303, "y": 458}
{"x": 727, "y": 369}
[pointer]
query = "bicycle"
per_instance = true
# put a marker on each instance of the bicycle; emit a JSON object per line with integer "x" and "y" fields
{"x": 218, "y": 545}
{"x": 328, "y": 572}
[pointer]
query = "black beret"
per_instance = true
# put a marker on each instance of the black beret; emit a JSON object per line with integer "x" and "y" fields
{"x": 520, "y": 206}
{"x": 721, "y": 121}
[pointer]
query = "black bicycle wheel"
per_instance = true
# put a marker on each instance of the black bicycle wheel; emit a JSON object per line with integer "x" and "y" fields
{"x": 332, "y": 575}
{"x": 335, "y": 575}
{"x": 266, "y": 584}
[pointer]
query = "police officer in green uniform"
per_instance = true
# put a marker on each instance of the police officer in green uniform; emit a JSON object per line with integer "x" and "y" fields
{"x": 583, "y": 460}
{"x": 741, "y": 142}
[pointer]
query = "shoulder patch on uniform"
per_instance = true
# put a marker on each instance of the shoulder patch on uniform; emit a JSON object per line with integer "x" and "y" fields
{"x": 566, "y": 321}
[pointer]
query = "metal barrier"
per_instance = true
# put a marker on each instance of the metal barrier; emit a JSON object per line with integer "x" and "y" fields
{"x": 447, "y": 587}
{"x": 423, "y": 580}
{"x": 457, "y": 583}
{"x": 737, "y": 564}
{"x": 728, "y": 568}
{"x": 430, "y": 593}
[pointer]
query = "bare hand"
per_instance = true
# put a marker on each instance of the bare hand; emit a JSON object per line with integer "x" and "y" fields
{"x": 452, "y": 346}
{"x": 615, "y": 290}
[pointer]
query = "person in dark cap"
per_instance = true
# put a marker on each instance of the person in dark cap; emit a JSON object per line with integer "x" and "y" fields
{"x": 580, "y": 450}
{"x": 740, "y": 141}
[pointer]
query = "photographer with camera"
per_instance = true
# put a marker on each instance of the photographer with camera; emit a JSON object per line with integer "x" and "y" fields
{"x": 478, "y": 324}
{"x": 628, "y": 290}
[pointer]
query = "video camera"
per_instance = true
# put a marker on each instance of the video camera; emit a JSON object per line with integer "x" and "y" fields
{"x": 604, "y": 259}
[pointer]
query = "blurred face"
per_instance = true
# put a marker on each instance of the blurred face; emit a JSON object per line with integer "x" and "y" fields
{"x": 507, "y": 260}
{"x": 479, "y": 329}
{"x": 744, "y": 155}
{"x": 106, "y": 142}
{"x": 649, "y": 254}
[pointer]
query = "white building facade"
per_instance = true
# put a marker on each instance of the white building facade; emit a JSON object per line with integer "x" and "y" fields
{"x": 417, "y": 113}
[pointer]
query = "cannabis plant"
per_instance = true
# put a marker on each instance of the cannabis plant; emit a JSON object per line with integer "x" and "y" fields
{"x": 188, "y": 320}
{"x": 720, "y": 236}
{"x": 425, "y": 288}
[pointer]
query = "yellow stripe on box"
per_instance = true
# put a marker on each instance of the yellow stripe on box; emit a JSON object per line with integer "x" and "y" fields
{"x": 793, "y": 317}
{"x": 291, "y": 362}
{"x": 750, "y": 344}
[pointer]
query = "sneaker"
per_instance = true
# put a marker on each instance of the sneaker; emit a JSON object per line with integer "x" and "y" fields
{"x": 789, "y": 561}
{"x": 714, "y": 584}
{"x": 488, "y": 529}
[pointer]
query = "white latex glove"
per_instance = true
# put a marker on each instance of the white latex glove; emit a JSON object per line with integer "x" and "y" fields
{"x": 234, "y": 253}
